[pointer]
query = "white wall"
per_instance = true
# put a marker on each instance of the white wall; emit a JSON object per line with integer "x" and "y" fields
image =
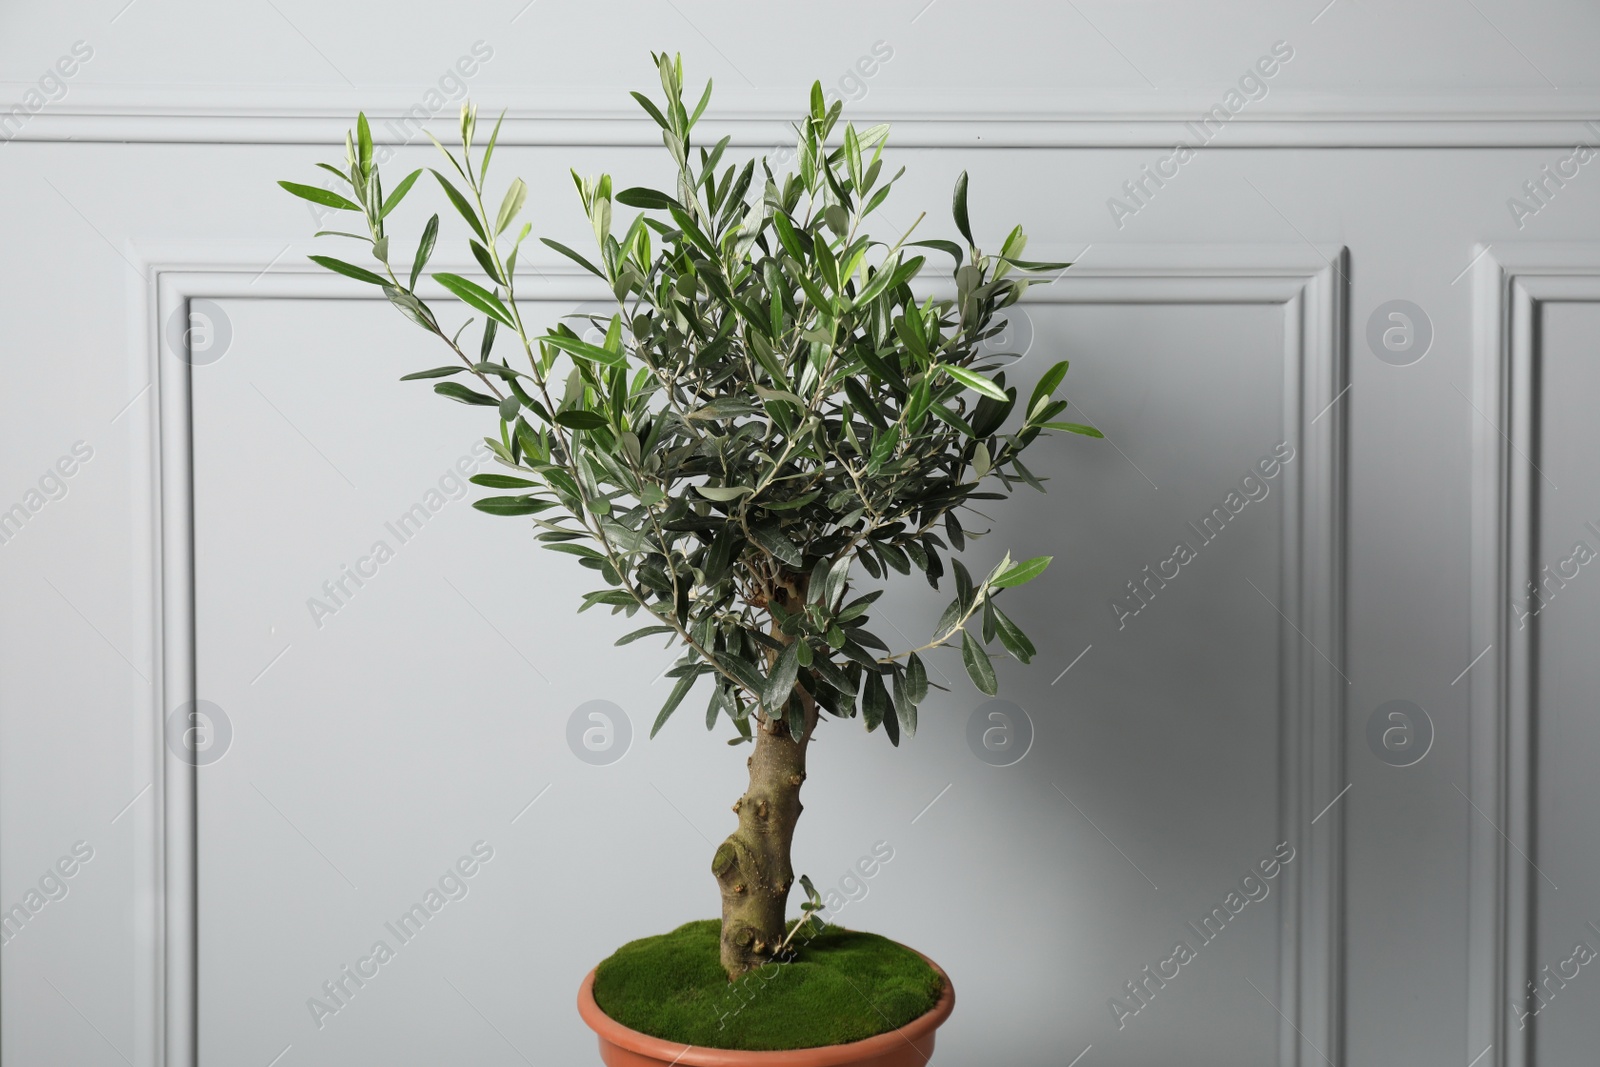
{"x": 1227, "y": 313}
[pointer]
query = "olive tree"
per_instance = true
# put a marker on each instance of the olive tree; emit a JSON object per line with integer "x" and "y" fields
{"x": 771, "y": 412}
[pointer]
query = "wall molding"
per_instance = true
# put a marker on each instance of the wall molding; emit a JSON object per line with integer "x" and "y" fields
{"x": 1309, "y": 283}
{"x": 930, "y": 118}
{"x": 1511, "y": 283}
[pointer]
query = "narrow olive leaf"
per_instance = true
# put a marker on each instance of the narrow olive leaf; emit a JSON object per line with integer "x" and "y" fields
{"x": 905, "y": 708}
{"x": 647, "y": 631}
{"x": 1012, "y": 637}
{"x": 780, "y": 683}
{"x": 512, "y": 505}
{"x": 574, "y": 256}
{"x": 430, "y": 234}
{"x": 1047, "y": 385}
{"x": 399, "y": 194}
{"x": 336, "y": 172}
{"x": 699, "y": 109}
{"x": 979, "y": 669}
{"x": 516, "y": 195}
{"x": 486, "y": 261}
{"x": 488, "y": 153}
{"x": 1073, "y": 427}
{"x": 675, "y": 698}
{"x": 489, "y": 328}
{"x": 771, "y": 539}
{"x": 874, "y": 700}
{"x": 1026, "y": 571}
{"x": 475, "y": 295}
{"x": 788, "y": 237}
{"x": 339, "y": 266}
{"x": 1032, "y": 265}
{"x": 891, "y": 722}
{"x": 916, "y": 679}
{"x": 459, "y": 392}
{"x": 461, "y": 205}
{"x": 723, "y": 493}
{"x": 572, "y": 346}
{"x": 640, "y": 197}
{"x": 959, "y": 207}
{"x": 655, "y": 112}
{"x": 948, "y": 247}
{"x": 363, "y": 142}
{"x": 974, "y": 381}
{"x": 501, "y": 481}
{"x": 317, "y": 195}
{"x": 580, "y": 420}
{"x": 436, "y": 372}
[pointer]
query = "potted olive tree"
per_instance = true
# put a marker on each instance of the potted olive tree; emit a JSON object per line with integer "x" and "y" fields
{"x": 771, "y": 417}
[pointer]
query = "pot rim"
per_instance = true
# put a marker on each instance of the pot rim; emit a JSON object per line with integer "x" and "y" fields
{"x": 676, "y": 1052}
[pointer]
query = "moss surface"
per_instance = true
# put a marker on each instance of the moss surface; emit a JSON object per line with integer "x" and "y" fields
{"x": 842, "y": 986}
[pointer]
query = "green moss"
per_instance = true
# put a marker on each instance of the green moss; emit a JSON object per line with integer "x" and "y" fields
{"x": 672, "y": 986}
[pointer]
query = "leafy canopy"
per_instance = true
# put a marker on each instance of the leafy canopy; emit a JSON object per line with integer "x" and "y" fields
{"x": 772, "y": 404}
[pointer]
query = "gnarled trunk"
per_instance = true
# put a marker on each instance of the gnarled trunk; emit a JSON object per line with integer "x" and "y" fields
{"x": 752, "y": 866}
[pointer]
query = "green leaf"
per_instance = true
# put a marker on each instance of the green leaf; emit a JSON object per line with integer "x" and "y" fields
{"x": 679, "y": 691}
{"x": 1074, "y": 427}
{"x": 318, "y": 195}
{"x": 948, "y": 247}
{"x": 1047, "y": 385}
{"x": 462, "y": 205}
{"x": 1026, "y": 571}
{"x": 574, "y": 256}
{"x": 475, "y": 295}
{"x": 723, "y": 493}
{"x": 363, "y": 143}
{"x": 874, "y": 700}
{"x": 430, "y": 234}
{"x": 787, "y": 236}
{"x": 516, "y": 195}
{"x": 399, "y": 194}
{"x": 771, "y": 539}
{"x": 488, "y": 153}
{"x": 1032, "y": 265}
{"x": 360, "y": 274}
{"x": 647, "y": 631}
{"x": 1011, "y": 636}
{"x": 974, "y": 381}
{"x": 436, "y": 372}
{"x": 959, "y": 208}
{"x": 582, "y": 349}
{"x": 655, "y": 112}
{"x": 905, "y": 708}
{"x": 979, "y": 669}
{"x": 457, "y": 391}
{"x": 916, "y": 679}
{"x": 578, "y": 419}
{"x": 486, "y": 261}
{"x": 640, "y": 197}
{"x": 512, "y": 505}
{"x": 501, "y": 481}
{"x": 780, "y": 683}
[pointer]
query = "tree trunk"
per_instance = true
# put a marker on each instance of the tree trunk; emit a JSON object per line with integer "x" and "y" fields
{"x": 752, "y": 866}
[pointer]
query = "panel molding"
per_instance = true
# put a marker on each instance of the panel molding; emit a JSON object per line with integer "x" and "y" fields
{"x": 1309, "y": 282}
{"x": 1511, "y": 283}
{"x": 932, "y": 118}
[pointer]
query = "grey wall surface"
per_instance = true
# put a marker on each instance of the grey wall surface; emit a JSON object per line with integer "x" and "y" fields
{"x": 1353, "y": 673}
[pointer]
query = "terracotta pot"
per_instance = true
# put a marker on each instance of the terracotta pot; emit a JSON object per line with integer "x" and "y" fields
{"x": 909, "y": 1046}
